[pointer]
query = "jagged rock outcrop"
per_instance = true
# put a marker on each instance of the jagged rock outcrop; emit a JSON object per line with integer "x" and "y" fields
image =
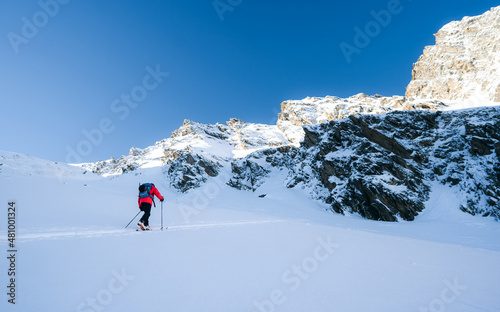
{"x": 464, "y": 63}
{"x": 248, "y": 137}
{"x": 114, "y": 166}
{"x": 382, "y": 166}
{"x": 196, "y": 152}
{"x": 247, "y": 174}
{"x": 188, "y": 171}
{"x": 314, "y": 110}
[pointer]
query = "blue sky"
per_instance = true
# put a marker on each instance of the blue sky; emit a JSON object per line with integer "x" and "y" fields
{"x": 87, "y": 80}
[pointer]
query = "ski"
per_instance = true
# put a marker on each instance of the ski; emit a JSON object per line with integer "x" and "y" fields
{"x": 156, "y": 229}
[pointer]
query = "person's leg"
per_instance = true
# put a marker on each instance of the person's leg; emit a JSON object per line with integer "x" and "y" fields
{"x": 147, "y": 212}
{"x": 143, "y": 215}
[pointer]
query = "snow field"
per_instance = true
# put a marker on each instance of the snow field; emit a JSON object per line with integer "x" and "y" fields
{"x": 228, "y": 250}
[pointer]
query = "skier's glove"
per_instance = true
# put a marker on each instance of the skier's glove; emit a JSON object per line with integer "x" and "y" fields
{"x": 162, "y": 200}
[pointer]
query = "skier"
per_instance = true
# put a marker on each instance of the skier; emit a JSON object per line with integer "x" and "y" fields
{"x": 147, "y": 191}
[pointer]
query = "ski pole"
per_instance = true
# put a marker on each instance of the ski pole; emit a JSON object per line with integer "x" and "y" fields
{"x": 162, "y": 215}
{"x": 133, "y": 219}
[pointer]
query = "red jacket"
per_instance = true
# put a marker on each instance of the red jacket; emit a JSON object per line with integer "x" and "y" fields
{"x": 154, "y": 191}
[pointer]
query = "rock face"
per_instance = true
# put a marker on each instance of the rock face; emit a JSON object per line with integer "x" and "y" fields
{"x": 189, "y": 171}
{"x": 463, "y": 65}
{"x": 314, "y": 110}
{"x": 383, "y": 166}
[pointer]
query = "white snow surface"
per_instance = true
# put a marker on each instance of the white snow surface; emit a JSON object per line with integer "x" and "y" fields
{"x": 228, "y": 250}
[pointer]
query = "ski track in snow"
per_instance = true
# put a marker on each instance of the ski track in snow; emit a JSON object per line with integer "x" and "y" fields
{"x": 85, "y": 232}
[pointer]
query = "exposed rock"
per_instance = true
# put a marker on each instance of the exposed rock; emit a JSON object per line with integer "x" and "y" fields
{"x": 381, "y": 166}
{"x": 377, "y": 137}
{"x": 197, "y": 130}
{"x": 247, "y": 173}
{"x": 135, "y": 151}
{"x": 314, "y": 110}
{"x": 210, "y": 168}
{"x": 463, "y": 65}
{"x": 189, "y": 171}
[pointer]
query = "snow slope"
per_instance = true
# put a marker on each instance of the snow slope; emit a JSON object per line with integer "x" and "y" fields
{"x": 274, "y": 249}
{"x": 227, "y": 250}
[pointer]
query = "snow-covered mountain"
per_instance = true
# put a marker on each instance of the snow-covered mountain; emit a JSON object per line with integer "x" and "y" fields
{"x": 248, "y": 209}
{"x": 372, "y": 155}
{"x": 196, "y": 152}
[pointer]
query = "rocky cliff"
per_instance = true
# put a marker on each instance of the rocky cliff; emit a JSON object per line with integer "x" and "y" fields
{"x": 383, "y": 166}
{"x": 314, "y": 110}
{"x": 463, "y": 65}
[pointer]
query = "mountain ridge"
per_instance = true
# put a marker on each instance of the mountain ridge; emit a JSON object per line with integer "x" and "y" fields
{"x": 397, "y": 184}
{"x": 352, "y": 153}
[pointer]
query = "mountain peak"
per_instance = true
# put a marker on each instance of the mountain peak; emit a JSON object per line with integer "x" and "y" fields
{"x": 464, "y": 64}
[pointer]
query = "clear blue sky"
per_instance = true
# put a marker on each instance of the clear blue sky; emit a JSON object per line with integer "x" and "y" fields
{"x": 69, "y": 73}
